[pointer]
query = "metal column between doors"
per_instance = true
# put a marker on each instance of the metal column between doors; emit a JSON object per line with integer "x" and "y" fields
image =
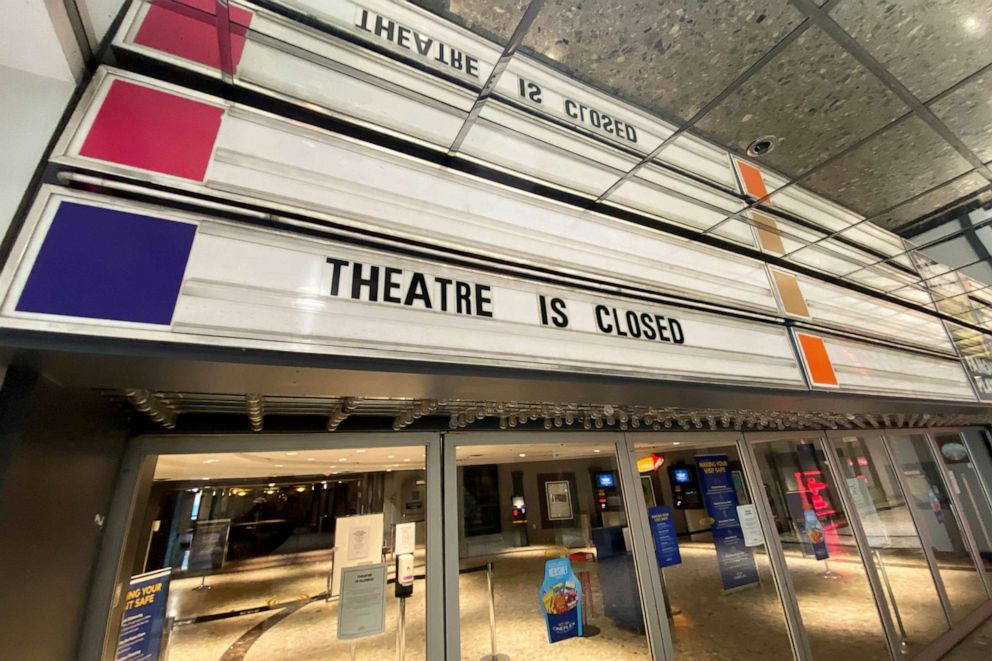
{"x": 648, "y": 576}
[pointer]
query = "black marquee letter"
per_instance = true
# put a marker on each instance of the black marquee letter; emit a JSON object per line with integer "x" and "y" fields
{"x": 602, "y": 311}
{"x": 336, "y": 274}
{"x": 418, "y": 291}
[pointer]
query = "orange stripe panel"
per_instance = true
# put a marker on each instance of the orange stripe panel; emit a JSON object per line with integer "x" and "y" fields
{"x": 754, "y": 183}
{"x": 768, "y": 234}
{"x": 790, "y": 294}
{"x": 821, "y": 371}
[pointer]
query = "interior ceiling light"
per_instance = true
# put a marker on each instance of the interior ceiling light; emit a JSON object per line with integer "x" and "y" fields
{"x": 762, "y": 145}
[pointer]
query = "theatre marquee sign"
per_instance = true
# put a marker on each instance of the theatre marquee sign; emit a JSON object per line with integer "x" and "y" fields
{"x": 93, "y": 265}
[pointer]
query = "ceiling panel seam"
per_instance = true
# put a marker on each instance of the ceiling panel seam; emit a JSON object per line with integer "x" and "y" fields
{"x": 509, "y": 50}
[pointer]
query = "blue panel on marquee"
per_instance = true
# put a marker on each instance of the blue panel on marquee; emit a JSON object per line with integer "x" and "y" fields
{"x": 107, "y": 264}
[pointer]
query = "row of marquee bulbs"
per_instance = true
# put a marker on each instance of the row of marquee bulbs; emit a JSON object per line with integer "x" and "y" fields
{"x": 589, "y": 416}
{"x": 599, "y": 416}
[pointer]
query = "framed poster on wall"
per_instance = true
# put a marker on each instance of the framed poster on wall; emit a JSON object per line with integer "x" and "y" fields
{"x": 559, "y": 500}
{"x": 558, "y": 493}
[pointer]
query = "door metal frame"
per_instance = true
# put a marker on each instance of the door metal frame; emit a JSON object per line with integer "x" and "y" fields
{"x": 649, "y": 582}
{"x": 801, "y": 643}
{"x": 853, "y": 516}
{"x": 119, "y": 546}
{"x": 957, "y": 630}
{"x": 983, "y": 484}
{"x": 798, "y": 640}
{"x": 938, "y": 581}
{"x": 652, "y": 600}
{"x": 963, "y": 523}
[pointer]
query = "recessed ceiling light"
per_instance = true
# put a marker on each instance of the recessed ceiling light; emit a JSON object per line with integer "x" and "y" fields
{"x": 762, "y": 145}
{"x": 272, "y": 484}
{"x": 389, "y": 470}
{"x": 390, "y": 456}
{"x": 597, "y": 451}
{"x": 360, "y": 451}
{"x": 311, "y": 459}
{"x": 210, "y": 461}
{"x": 279, "y": 466}
{"x": 292, "y": 454}
{"x": 206, "y": 478}
{"x": 407, "y": 459}
{"x": 677, "y": 443}
{"x": 334, "y": 465}
{"x": 342, "y": 459}
{"x": 522, "y": 454}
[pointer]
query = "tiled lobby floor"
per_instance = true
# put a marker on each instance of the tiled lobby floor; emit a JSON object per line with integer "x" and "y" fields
{"x": 710, "y": 625}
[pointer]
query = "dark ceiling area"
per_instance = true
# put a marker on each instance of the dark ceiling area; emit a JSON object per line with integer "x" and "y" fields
{"x": 884, "y": 106}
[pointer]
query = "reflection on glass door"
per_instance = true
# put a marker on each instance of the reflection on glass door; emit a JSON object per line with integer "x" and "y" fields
{"x": 711, "y": 552}
{"x": 938, "y": 522}
{"x": 968, "y": 460}
{"x": 259, "y": 544}
{"x": 832, "y": 588}
{"x": 891, "y": 534}
{"x": 545, "y": 561}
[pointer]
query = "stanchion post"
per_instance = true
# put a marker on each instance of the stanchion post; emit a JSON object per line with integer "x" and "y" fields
{"x": 401, "y": 632}
{"x": 330, "y": 576}
{"x": 492, "y": 609}
{"x": 493, "y": 655}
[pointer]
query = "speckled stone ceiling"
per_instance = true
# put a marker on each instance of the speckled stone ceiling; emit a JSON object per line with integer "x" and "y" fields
{"x": 824, "y": 82}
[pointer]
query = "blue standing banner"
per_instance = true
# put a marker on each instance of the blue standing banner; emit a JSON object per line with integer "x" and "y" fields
{"x": 561, "y": 600}
{"x": 143, "y": 621}
{"x": 736, "y": 560}
{"x": 666, "y": 543}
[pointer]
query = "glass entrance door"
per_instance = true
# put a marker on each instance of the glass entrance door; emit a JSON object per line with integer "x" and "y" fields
{"x": 967, "y": 458}
{"x": 912, "y": 591}
{"x": 546, "y": 562}
{"x": 834, "y": 592}
{"x": 313, "y": 548}
{"x": 938, "y": 518}
{"x": 711, "y": 548}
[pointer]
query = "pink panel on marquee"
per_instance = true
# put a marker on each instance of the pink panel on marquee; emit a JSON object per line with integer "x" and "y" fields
{"x": 187, "y": 29}
{"x": 153, "y": 130}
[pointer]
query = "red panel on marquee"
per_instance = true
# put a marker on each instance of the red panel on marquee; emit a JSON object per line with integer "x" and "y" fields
{"x": 189, "y": 30}
{"x": 153, "y": 130}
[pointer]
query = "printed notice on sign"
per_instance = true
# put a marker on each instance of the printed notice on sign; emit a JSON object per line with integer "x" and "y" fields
{"x": 750, "y": 526}
{"x": 405, "y": 538}
{"x": 358, "y": 542}
{"x": 362, "y": 610}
